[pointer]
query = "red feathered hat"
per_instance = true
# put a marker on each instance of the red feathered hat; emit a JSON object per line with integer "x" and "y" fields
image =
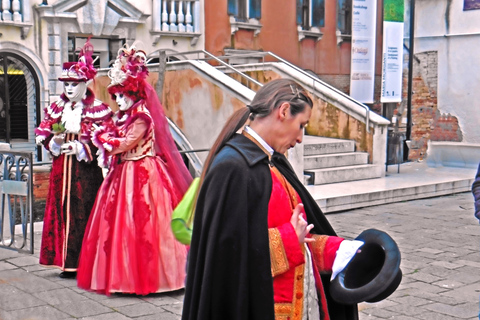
{"x": 83, "y": 70}
{"x": 128, "y": 73}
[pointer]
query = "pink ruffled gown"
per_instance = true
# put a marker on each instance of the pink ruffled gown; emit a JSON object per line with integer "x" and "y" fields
{"x": 128, "y": 245}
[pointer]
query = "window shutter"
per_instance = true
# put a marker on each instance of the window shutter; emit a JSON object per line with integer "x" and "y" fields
{"x": 300, "y": 12}
{"x": 344, "y": 16}
{"x": 255, "y": 9}
{"x": 318, "y": 13}
{"x": 232, "y": 9}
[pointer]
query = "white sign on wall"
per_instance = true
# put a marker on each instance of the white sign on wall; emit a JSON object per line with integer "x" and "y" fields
{"x": 392, "y": 57}
{"x": 392, "y": 64}
{"x": 362, "y": 74}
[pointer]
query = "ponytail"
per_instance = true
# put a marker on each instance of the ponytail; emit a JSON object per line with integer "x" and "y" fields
{"x": 233, "y": 124}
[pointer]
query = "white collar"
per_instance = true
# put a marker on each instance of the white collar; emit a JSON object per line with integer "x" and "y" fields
{"x": 259, "y": 139}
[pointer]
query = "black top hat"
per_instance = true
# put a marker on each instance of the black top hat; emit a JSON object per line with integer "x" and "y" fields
{"x": 373, "y": 273}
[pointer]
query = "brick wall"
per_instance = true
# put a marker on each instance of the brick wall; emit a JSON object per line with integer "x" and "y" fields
{"x": 428, "y": 123}
{"x": 40, "y": 185}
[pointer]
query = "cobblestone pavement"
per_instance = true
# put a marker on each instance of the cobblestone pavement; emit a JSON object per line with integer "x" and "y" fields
{"x": 438, "y": 239}
{"x": 439, "y": 242}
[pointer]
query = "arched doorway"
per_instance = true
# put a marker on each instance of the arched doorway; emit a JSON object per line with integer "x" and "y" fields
{"x": 19, "y": 103}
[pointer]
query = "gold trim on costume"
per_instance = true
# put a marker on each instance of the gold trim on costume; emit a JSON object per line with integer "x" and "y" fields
{"x": 283, "y": 311}
{"x": 317, "y": 248}
{"x": 292, "y": 194}
{"x": 278, "y": 256}
{"x": 298, "y": 294}
{"x": 294, "y": 310}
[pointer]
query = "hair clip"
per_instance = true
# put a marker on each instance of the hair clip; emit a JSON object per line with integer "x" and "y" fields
{"x": 295, "y": 92}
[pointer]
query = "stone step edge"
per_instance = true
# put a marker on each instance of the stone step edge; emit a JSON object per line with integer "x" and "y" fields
{"x": 327, "y": 155}
{"x": 324, "y": 161}
{"x": 326, "y": 150}
{"x": 330, "y": 205}
{"x": 342, "y": 168}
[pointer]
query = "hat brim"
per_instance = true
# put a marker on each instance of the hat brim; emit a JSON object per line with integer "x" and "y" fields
{"x": 72, "y": 79}
{"x": 373, "y": 274}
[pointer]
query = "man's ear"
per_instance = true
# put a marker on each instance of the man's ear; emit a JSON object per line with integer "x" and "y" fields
{"x": 283, "y": 110}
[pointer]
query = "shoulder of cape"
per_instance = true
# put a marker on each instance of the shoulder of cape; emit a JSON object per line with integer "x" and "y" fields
{"x": 97, "y": 111}
{"x": 55, "y": 109}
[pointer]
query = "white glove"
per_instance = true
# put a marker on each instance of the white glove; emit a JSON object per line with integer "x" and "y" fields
{"x": 69, "y": 148}
{"x": 75, "y": 148}
{"x": 55, "y": 148}
{"x": 39, "y": 139}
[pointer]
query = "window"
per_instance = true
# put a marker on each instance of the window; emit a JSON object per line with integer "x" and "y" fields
{"x": 310, "y": 13}
{"x": 243, "y": 10}
{"x": 105, "y": 50}
{"x": 344, "y": 16}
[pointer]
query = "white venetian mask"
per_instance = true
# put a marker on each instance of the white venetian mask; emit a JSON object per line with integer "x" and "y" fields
{"x": 74, "y": 90}
{"x": 124, "y": 103}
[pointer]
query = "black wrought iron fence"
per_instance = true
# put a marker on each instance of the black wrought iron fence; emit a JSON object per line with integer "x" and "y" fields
{"x": 16, "y": 189}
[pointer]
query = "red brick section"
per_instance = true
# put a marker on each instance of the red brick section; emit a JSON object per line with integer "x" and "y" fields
{"x": 446, "y": 128}
{"x": 40, "y": 185}
{"x": 424, "y": 109}
{"x": 427, "y": 121}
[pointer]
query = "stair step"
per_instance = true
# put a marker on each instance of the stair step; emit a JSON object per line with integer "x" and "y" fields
{"x": 335, "y": 160}
{"x": 342, "y": 174}
{"x": 314, "y": 145}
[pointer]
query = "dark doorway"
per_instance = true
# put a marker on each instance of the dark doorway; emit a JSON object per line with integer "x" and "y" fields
{"x": 19, "y": 100}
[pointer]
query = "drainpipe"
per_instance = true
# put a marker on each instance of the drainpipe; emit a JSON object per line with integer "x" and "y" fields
{"x": 410, "y": 77}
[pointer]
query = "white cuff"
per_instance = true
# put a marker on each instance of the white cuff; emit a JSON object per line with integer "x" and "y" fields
{"x": 54, "y": 148}
{"x": 81, "y": 154}
{"x": 345, "y": 253}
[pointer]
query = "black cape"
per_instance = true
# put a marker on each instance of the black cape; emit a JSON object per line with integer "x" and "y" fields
{"x": 229, "y": 274}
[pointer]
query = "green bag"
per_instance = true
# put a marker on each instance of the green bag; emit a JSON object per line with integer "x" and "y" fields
{"x": 182, "y": 216}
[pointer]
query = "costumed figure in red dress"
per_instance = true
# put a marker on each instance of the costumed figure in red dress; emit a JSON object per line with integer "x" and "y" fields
{"x": 261, "y": 247}
{"x": 75, "y": 178}
{"x": 129, "y": 246}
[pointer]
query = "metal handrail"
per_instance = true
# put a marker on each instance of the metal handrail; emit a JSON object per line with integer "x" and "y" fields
{"x": 193, "y": 150}
{"x": 315, "y": 80}
{"x": 219, "y": 61}
{"x": 269, "y": 53}
{"x": 367, "y": 110}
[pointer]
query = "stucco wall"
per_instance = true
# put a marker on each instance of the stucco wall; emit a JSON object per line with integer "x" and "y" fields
{"x": 442, "y": 26}
{"x": 329, "y": 121}
{"x": 198, "y": 107}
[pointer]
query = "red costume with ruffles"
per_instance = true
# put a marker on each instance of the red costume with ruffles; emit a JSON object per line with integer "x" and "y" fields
{"x": 129, "y": 246}
{"x": 73, "y": 182}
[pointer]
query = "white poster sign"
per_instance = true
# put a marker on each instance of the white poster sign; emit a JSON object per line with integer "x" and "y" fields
{"x": 392, "y": 62}
{"x": 362, "y": 74}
